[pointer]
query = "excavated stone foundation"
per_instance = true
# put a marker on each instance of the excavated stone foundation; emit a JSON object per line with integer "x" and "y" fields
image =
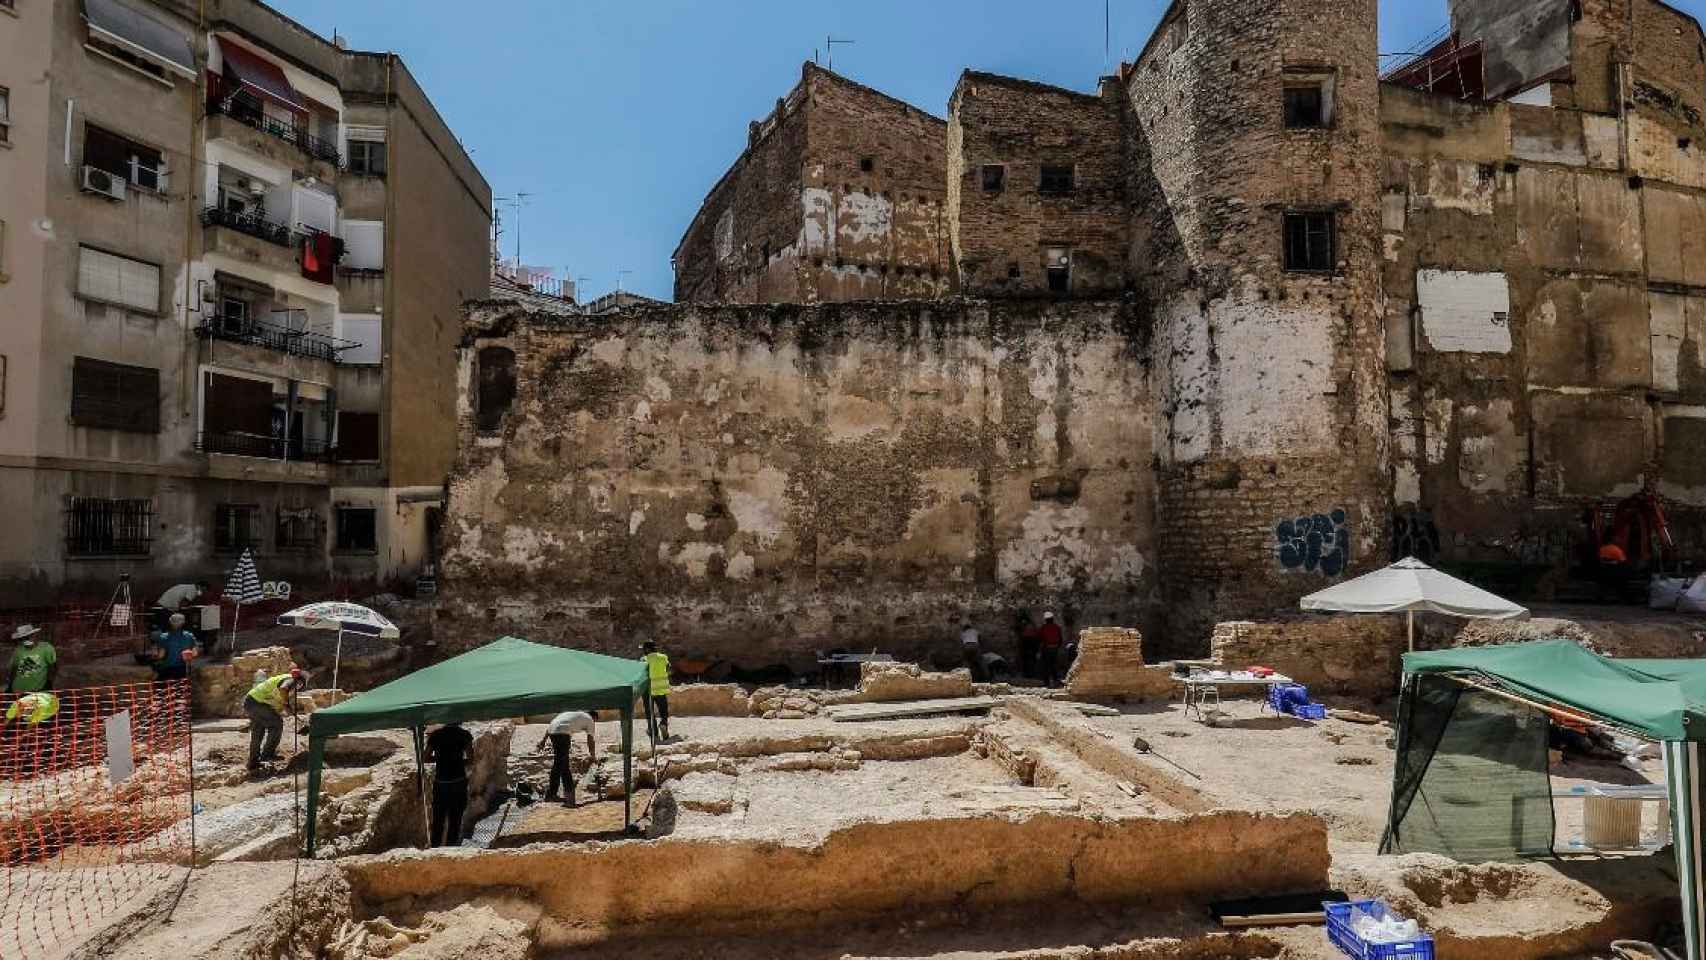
{"x": 595, "y": 891}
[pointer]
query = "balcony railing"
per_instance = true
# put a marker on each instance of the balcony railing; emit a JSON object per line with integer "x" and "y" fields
{"x": 252, "y": 224}
{"x": 269, "y": 448}
{"x": 247, "y": 111}
{"x": 259, "y": 333}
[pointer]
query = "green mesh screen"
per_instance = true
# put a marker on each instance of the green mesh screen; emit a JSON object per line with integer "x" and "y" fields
{"x": 1471, "y": 780}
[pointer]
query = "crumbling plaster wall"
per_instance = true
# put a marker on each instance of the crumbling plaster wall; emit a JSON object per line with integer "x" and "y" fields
{"x": 1271, "y": 419}
{"x": 759, "y": 483}
{"x": 838, "y": 196}
{"x": 1567, "y": 370}
{"x": 1000, "y": 236}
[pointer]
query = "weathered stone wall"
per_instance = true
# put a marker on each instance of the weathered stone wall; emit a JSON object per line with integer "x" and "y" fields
{"x": 596, "y": 891}
{"x": 1349, "y": 655}
{"x": 1546, "y": 308}
{"x": 838, "y": 196}
{"x": 756, "y": 484}
{"x": 1271, "y": 412}
{"x": 1001, "y": 234}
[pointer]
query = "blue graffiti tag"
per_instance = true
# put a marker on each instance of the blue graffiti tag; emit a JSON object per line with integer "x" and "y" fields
{"x": 1319, "y": 543}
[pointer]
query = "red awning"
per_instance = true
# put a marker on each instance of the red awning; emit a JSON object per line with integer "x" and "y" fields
{"x": 260, "y": 75}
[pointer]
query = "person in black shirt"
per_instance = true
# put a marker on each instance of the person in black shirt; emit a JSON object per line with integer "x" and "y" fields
{"x": 448, "y": 748}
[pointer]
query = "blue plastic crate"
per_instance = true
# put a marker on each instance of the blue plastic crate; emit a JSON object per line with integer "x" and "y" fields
{"x": 1309, "y": 711}
{"x": 1340, "y": 933}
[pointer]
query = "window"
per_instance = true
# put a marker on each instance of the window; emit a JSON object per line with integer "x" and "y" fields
{"x": 1304, "y": 107}
{"x": 1056, "y": 179}
{"x": 233, "y": 315}
{"x": 5, "y": 111}
{"x": 234, "y": 527}
{"x": 1180, "y": 31}
{"x": 1311, "y": 242}
{"x": 121, "y": 281}
{"x": 364, "y": 245}
{"x": 1058, "y": 263}
{"x": 115, "y": 396}
{"x": 104, "y": 527}
{"x": 367, "y": 158}
{"x": 358, "y": 436}
{"x": 139, "y": 165}
{"x": 867, "y": 164}
{"x": 298, "y": 528}
{"x": 107, "y": 48}
{"x": 1308, "y": 97}
{"x": 358, "y": 529}
{"x": 994, "y": 175}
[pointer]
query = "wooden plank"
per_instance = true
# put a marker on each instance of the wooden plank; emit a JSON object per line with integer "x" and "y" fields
{"x": 1316, "y": 918}
{"x": 855, "y": 712}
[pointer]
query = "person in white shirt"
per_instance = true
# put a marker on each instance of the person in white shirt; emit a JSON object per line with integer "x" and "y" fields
{"x": 560, "y": 734}
{"x": 971, "y": 648}
{"x": 175, "y": 598}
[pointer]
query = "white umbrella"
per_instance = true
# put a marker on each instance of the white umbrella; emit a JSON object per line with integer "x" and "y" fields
{"x": 344, "y": 618}
{"x": 243, "y": 585}
{"x": 1410, "y": 585}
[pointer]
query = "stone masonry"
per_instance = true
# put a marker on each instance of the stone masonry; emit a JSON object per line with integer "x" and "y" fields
{"x": 838, "y": 196}
{"x": 1005, "y": 216}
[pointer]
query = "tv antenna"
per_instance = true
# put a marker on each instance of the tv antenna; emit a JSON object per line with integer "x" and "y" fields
{"x": 829, "y": 43}
{"x": 619, "y": 275}
{"x": 518, "y": 201}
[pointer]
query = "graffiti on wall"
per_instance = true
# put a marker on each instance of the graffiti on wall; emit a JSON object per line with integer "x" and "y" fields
{"x": 1315, "y": 544}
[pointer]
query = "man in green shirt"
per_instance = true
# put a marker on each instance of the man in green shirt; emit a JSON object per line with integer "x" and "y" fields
{"x": 34, "y": 663}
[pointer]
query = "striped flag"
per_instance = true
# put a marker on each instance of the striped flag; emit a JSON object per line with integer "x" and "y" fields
{"x": 243, "y": 585}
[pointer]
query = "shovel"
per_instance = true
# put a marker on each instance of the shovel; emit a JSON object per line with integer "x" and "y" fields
{"x": 1144, "y": 748}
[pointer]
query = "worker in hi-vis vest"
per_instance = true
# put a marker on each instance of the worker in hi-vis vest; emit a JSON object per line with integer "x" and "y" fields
{"x": 266, "y": 705}
{"x": 657, "y": 670}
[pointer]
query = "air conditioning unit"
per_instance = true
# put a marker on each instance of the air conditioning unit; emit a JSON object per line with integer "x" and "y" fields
{"x": 99, "y": 181}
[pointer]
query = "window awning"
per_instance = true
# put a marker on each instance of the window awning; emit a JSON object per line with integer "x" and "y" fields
{"x": 141, "y": 34}
{"x": 260, "y": 75}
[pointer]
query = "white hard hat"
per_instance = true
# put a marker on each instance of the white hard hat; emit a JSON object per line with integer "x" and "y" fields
{"x": 1048, "y": 616}
{"x": 25, "y": 630}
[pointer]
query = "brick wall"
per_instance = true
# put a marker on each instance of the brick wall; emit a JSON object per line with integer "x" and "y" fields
{"x": 1348, "y": 656}
{"x": 1271, "y": 433}
{"x": 1000, "y": 236}
{"x": 838, "y": 196}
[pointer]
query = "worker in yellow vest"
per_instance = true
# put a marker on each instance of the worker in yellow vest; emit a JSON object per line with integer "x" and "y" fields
{"x": 266, "y": 705}
{"x": 657, "y": 671}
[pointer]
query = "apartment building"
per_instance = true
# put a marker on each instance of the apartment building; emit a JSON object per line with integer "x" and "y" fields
{"x": 231, "y": 270}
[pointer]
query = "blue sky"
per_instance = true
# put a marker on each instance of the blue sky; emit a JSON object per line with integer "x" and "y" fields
{"x": 618, "y": 116}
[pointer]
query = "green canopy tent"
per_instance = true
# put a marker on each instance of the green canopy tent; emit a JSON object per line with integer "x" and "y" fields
{"x": 509, "y": 677}
{"x": 1471, "y": 779}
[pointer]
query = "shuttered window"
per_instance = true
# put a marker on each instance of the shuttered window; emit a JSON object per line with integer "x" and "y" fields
{"x": 110, "y": 278}
{"x": 364, "y": 242}
{"x": 115, "y": 396}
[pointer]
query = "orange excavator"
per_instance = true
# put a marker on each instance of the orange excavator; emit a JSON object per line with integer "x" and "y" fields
{"x": 1629, "y": 541}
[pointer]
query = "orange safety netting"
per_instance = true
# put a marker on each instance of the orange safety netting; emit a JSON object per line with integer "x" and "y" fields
{"x": 95, "y": 808}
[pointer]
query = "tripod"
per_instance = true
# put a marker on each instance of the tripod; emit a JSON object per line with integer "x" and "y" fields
{"x": 119, "y": 612}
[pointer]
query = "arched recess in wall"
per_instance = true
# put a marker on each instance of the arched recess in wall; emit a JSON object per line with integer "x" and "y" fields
{"x": 497, "y": 387}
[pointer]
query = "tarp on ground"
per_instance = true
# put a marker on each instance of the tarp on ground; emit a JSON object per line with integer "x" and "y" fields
{"x": 509, "y": 677}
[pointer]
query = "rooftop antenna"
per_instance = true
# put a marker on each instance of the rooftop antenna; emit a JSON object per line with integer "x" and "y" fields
{"x": 619, "y": 275}
{"x": 520, "y": 201}
{"x": 829, "y": 43}
{"x": 1107, "y": 37}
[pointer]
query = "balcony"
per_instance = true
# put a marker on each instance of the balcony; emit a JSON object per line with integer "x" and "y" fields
{"x": 247, "y": 111}
{"x": 271, "y": 336}
{"x": 251, "y": 224}
{"x": 267, "y": 448}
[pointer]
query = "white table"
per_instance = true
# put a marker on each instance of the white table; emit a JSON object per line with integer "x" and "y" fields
{"x": 1203, "y": 686}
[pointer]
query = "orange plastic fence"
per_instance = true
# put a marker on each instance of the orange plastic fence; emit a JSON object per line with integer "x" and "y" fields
{"x": 95, "y": 807}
